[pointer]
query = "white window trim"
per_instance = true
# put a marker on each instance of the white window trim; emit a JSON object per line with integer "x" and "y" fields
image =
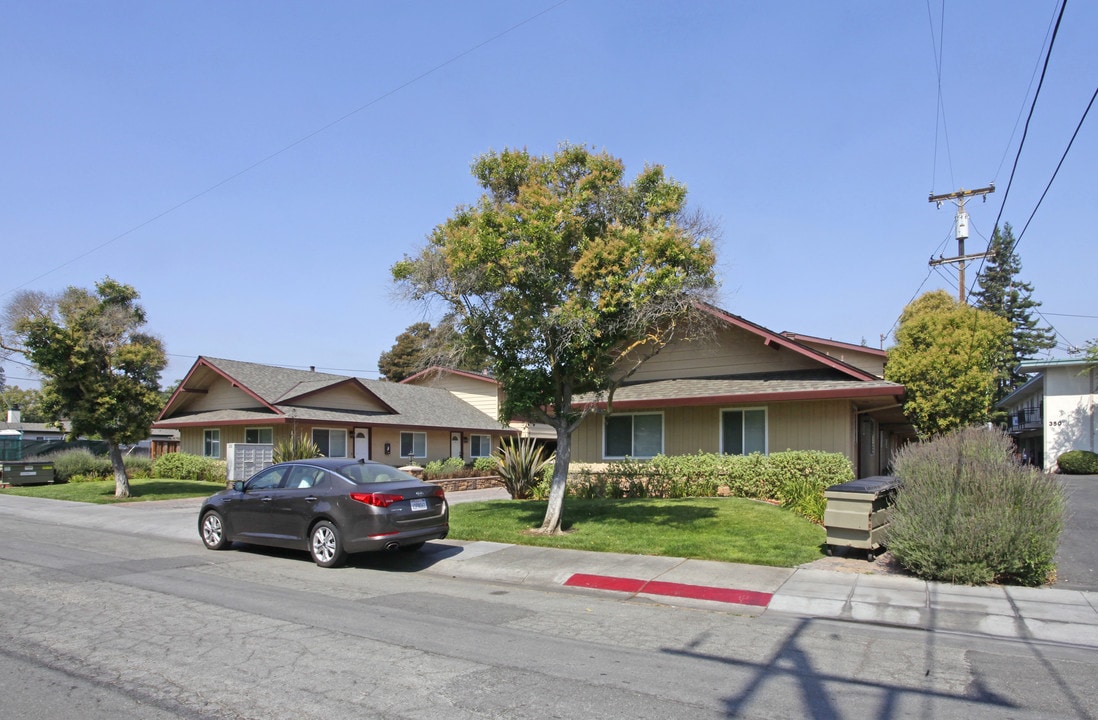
{"x": 413, "y": 433}
{"x": 632, "y": 440}
{"x": 260, "y": 428}
{"x": 205, "y": 433}
{"x": 472, "y": 444}
{"x": 330, "y": 430}
{"x": 766, "y": 425}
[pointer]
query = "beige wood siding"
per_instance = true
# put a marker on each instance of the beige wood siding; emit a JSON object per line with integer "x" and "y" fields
{"x": 438, "y": 446}
{"x": 221, "y": 395}
{"x": 825, "y": 425}
{"x": 341, "y": 398}
{"x": 481, "y": 394}
{"x": 732, "y": 351}
{"x": 868, "y": 361}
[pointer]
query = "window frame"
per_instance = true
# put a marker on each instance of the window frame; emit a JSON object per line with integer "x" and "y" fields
{"x": 343, "y": 431}
{"x": 632, "y": 435}
{"x": 259, "y": 431}
{"x": 211, "y": 438}
{"x": 485, "y": 441}
{"x": 413, "y": 434}
{"x": 743, "y": 429}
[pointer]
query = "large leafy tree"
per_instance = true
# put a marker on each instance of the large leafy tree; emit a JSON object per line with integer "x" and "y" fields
{"x": 99, "y": 370}
{"x": 408, "y": 354}
{"x": 1002, "y": 293}
{"x": 947, "y": 355}
{"x": 565, "y": 277}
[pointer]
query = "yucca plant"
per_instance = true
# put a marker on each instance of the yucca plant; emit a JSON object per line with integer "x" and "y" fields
{"x": 297, "y": 447}
{"x": 520, "y": 466}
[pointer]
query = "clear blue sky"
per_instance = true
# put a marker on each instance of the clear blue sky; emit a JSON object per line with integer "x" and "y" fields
{"x": 255, "y": 168}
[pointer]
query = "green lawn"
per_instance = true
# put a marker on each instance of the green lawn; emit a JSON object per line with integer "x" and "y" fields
{"x": 102, "y": 492}
{"x": 725, "y": 529}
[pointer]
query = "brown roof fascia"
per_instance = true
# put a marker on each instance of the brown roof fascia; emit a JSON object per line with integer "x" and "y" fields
{"x": 800, "y": 337}
{"x": 772, "y": 339}
{"x": 203, "y": 362}
{"x": 439, "y": 370}
{"x": 740, "y": 399}
{"x": 285, "y": 400}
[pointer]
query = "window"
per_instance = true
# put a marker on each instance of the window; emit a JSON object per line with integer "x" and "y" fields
{"x": 211, "y": 443}
{"x": 269, "y": 479}
{"x": 254, "y": 436}
{"x": 413, "y": 444}
{"x": 332, "y": 443}
{"x": 743, "y": 432}
{"x": 480, "y": 446}
{"x": 639, "y": 436}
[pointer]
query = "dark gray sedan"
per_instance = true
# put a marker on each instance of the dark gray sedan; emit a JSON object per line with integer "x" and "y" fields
{"x": 329, "y": 506}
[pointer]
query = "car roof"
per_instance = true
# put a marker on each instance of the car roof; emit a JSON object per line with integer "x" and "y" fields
{"x": 330, "y": 463}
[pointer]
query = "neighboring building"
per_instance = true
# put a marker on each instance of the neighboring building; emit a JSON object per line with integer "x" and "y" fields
{"x": 866, "y": 358}
{"x": 227, "y": 401}
{"x": 1054, "y": 411}
{"x": 484, "y": 393}
{"x": 747, "y": 389}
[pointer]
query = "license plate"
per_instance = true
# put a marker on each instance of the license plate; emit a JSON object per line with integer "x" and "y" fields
{"x": 419, "y": 504}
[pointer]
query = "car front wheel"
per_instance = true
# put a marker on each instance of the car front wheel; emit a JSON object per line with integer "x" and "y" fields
{"x": 325, "y": 545}
{"x": 213, "y": 531}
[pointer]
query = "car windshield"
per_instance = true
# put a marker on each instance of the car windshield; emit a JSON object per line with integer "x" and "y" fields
{"x": 366, "y": 473}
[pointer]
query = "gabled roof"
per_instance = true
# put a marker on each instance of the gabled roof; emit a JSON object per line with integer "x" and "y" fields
{"x": 436, "y": 370}
{"x": 284, "y": 394}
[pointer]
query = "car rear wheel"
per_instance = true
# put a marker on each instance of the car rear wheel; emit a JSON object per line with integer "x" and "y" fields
{"x": 326, "y": 546}
{"x": 213, "y": 531}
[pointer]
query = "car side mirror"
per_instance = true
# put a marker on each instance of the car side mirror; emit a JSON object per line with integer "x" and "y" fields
{"x": 238, "y": 486}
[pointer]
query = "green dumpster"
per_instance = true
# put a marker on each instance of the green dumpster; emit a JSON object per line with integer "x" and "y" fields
{"x": 27, "y": 473}
{"x": 858, "y": 513}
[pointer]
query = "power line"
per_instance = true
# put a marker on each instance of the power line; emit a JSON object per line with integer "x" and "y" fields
{"x": 295, "y": 143}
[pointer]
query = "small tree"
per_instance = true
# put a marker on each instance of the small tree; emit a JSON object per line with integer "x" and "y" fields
{"x": 99, "y": 371}
{"x": 520, "y": 464}
{"x": 566, "y": 278}
{"x": 947, "y": 356}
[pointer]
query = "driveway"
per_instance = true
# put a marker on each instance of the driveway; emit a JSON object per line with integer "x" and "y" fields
{"x": 1077, "y": 560}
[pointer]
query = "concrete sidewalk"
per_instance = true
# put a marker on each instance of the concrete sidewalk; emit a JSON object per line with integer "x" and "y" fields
{"x": 1030, "y": 614}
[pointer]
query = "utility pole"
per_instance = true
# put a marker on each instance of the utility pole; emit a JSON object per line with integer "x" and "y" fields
{"x": 959, "y": 198}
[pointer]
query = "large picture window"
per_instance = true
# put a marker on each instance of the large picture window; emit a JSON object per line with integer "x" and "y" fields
{"x": 638, "y": 436}
{"x": 332, "y": 443}
{"x": 413, "y": 444}
{"x": 255, "y": 436}
{"x": 480, "y": 446}
{"x": 743, "y": 431}
{"x": 211, "y": 443}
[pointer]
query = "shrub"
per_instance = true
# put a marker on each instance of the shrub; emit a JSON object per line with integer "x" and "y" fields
{"x": 184, "y": 466}
{"x": 968, "y": 512}
{"x": 485, "y": 465}
{"x": 296, "y": 447}
{"x": 520, "y": 465}
{"x": 68, "y": 464}
{"x": 796, "y": 479}
{"x": 1078, "y": 462}
{"x": 138, "y": 467}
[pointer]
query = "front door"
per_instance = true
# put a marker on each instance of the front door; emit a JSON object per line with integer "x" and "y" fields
{"x": 362, "y": 444}
{"x": 455, "y": 444}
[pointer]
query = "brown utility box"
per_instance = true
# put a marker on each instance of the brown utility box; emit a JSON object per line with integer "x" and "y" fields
{"x": 858, "y": 513}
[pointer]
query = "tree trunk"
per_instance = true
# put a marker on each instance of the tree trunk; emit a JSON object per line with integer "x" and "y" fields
{"x": 121, "y": 482}
{"x": 554, "y": 511}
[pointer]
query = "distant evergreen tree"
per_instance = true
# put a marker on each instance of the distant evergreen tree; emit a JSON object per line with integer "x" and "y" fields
{"x": 1002, "y": 293}
{"x": 408, "y": 355}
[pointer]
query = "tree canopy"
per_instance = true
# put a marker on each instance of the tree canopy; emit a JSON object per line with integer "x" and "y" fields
{"x": 29, "y": 402}
{"x": 565, "y": 277}
{"x": 1002, "y": 293}
{"x": 422, "y": 346}
{"x": 947, "y": 356}
{"x": 100, "y": 372}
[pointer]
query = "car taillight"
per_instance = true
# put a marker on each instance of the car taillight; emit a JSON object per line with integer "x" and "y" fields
{"x": 376, "y": 499}
{"x": 439, "y": 493}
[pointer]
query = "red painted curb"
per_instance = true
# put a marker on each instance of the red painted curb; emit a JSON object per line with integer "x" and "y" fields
{"x": 656, "y": 587}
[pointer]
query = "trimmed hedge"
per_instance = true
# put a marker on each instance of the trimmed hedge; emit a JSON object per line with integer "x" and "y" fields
{"x": 795, "y": 479}
{"x": 184, "y": 466}
{"x": 968, "y": 512}
{"x": 1078, "y": 462}
{"x": 82, "y": 465}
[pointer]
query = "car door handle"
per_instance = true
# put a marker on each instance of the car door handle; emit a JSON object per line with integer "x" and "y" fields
{"x": 311, "y": 498}
{"x": 267, "y": 499}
